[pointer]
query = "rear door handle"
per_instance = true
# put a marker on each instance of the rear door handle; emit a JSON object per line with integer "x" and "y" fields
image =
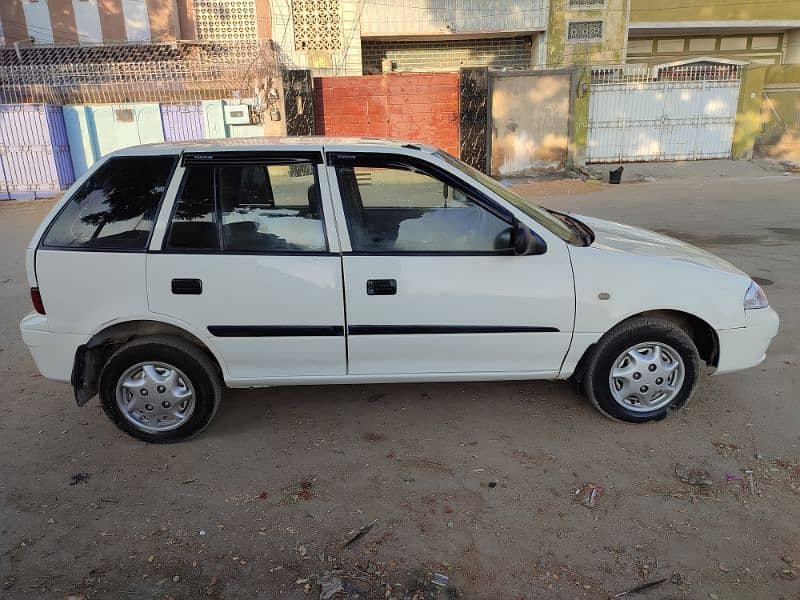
{"x": 381, "y": 287}
{"x": 187, "y": 286}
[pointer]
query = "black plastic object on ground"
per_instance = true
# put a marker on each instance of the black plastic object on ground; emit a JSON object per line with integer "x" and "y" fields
{"x": 615, "y": 176}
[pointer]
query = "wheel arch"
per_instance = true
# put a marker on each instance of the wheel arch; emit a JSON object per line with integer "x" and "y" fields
{"x": 91, "y": 356}
{"x": 699, "y": 330}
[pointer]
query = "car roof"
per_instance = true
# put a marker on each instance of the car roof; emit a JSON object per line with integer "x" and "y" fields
{"x": 330, "y": 144}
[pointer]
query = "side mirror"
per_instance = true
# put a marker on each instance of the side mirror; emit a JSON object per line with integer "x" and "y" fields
{"x": 526, "y": 242}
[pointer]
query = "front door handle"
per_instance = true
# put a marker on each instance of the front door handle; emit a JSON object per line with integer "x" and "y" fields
{"x": 187, "y": 286}
{"x": 381, "y": 287}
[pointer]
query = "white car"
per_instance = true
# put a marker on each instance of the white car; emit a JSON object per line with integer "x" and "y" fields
{"x": 170, "y": 269}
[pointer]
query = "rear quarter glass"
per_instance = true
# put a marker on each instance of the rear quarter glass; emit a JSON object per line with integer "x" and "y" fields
{"x": 115, "y": 208}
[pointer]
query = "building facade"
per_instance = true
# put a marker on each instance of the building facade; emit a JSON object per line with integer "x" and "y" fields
{"x": 354, "y": 37}
{"x": 765, "y": 32}
{"x": 95, "y": 21}
{"x": 586, "y": 32}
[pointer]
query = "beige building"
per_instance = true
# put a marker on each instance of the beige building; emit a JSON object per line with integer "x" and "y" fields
{"x": 656, "y": 32}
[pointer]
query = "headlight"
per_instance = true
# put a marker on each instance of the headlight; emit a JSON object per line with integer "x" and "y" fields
{"x": 755, "y": 297}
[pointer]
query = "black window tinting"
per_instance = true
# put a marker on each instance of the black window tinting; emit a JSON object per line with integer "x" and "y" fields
{"x": 253, "y": 208}
{"x": 194, "y": 224}
{"x": 115, "y": 208}
{"x": 396, "y": 209}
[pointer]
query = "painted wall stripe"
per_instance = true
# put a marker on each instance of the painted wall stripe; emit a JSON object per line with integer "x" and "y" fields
{"x": 13, "y": 16}
{"x": 162, "y": 19}
{"x": 186, "y": 20}
{"x": 62, "y": 20}
{"x": 87, "y": 20}
{"x": 112, "y": 21}
{"x": 137, "y": 24}
{"x": 37, "y": 16}
{"x": 264, "y": 20}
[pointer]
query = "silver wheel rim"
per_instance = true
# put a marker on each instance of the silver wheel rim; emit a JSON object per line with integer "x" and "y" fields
{"x": 155, "y": 397}
{"x": 647, "y": 377}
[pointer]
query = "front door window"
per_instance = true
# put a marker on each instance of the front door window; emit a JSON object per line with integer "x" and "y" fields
{"x": 395, "y": 209}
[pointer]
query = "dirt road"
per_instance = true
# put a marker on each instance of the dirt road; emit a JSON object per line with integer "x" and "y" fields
{"x": 474, "y": 481}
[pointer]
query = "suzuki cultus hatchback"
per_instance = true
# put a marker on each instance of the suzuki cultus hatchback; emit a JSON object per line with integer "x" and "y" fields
{"x": 169, "y": 270}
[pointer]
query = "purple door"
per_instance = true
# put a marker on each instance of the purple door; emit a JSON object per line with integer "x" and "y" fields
{"x": 182, "y": 122}
{"x": 34, "y": 154}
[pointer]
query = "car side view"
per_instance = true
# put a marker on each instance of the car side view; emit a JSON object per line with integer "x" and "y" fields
{"x": 169, "y": 271}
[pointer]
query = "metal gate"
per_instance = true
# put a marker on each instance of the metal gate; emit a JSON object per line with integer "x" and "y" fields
{"x": 670, "y": 113}
{"x": 182, "y": 121}
{"x": 34, "y": 153}
{"x": 529, "y": 114}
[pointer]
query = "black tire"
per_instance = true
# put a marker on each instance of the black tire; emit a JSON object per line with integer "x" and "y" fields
{"x": 615, "y": 342}
{"x": 191, "y": 360}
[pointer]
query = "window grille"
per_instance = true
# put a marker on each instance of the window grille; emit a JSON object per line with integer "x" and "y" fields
{"x": 226, "y": 20}
{"x": 586, "y": 3}
{"x": 585, "y": 31}
{"x": 317, "y": 25}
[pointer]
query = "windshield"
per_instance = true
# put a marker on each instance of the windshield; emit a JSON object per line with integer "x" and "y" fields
{"x": 539, "y": 214}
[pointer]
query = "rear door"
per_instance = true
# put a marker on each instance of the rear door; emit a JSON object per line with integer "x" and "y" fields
{"x": 431, "y": 284}
{"x": 90, "y": 262}
{"x": 247, "y": 260}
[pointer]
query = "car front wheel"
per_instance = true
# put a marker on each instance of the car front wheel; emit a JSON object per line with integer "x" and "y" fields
{"x": 160, "y": 389}
{"x": 642, "y": 369}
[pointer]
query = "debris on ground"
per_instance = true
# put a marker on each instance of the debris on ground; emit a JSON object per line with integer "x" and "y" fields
{"x": 640, "y": 588}
{"x": 306, "y": 491}
{"x": 361, "y": 533}
{"x": 422, "y": 584}
{"x": 732, "y": 478}
{"x": 331, "y": 586}
{"x": 790, "y": 166}
{"x": 790, "y": 573}
{"x": 589, "y": 494}
{"x": 79, "y": 478}
{"x": 751, "y": 482}
{"x": 693, "y": 476}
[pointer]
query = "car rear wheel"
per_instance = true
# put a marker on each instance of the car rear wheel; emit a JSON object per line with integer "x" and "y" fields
{"x": 642, "y": 369}
{"x": 160, "y": 389}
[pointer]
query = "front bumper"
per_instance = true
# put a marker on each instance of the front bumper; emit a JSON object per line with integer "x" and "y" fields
{"x": 746, "y": 347}
{"x": 53, "y": 353}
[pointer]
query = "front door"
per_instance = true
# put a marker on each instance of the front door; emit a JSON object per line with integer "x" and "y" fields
{"x": 430, "y": 283}
{"x": 245, "y": 261}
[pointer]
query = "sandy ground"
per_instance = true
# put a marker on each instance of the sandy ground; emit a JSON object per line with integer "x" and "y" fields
{"x": 474, "y": 481}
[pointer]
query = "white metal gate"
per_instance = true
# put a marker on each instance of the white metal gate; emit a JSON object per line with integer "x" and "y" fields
{"x": 680, "y": 113}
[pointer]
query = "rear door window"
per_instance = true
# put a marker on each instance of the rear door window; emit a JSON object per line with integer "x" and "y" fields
{"x": 194, "y": 224}
{"x": 249, "y": 208}
{"x": 115, "y": 208}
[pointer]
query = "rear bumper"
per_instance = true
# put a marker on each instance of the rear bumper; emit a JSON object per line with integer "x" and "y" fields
{"x": 53, "y": 353}
{"x": 746, "y": 347}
